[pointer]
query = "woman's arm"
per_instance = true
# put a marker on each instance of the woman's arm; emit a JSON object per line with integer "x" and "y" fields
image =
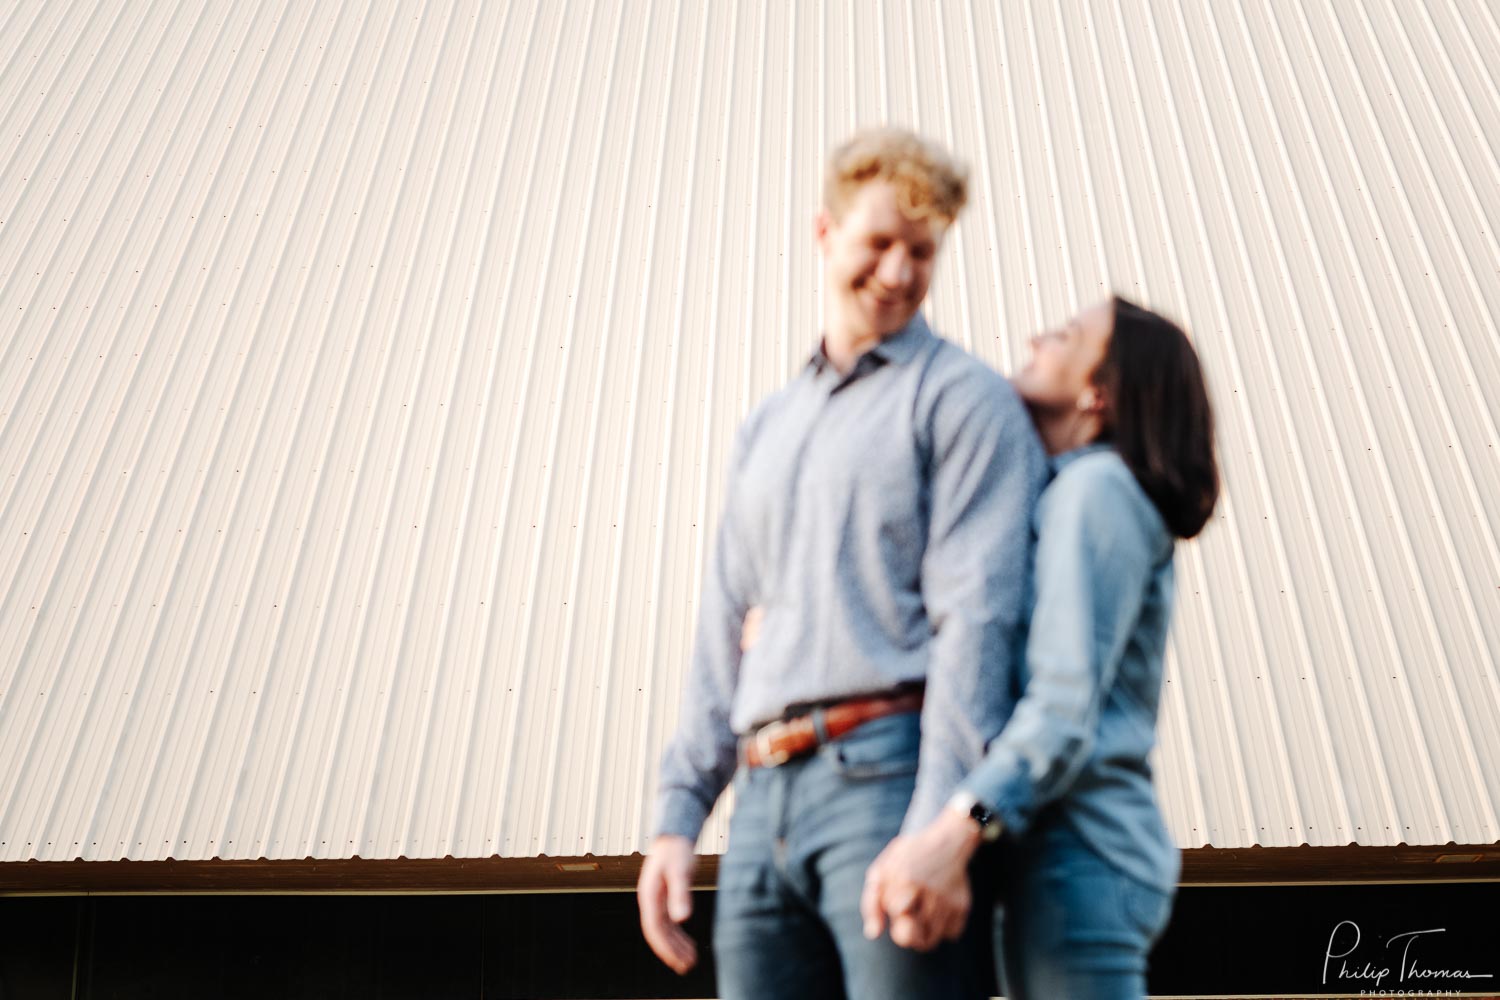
{"x": 1100, "y": 543}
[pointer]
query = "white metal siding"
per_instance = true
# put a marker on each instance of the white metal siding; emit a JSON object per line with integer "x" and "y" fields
{"x": 367, "y": 373}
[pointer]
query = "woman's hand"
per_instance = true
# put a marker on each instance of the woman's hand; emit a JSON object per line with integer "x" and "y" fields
{"x": 750, "y": 631}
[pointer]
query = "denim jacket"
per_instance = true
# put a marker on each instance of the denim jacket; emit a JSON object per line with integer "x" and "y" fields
{"x": 1091, "y": 678}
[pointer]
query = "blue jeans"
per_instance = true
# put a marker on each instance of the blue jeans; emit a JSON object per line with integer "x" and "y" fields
{"x": 786, "y": 920}
{"x": 1073, "y": 925}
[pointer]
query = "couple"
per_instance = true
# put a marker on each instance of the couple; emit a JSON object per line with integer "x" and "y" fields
{"x": 907, "y": 646}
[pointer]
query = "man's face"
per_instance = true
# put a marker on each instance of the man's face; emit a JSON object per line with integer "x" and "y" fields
{"x": 877, "y": 263}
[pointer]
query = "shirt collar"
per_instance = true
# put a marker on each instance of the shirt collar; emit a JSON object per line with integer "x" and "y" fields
{"x": 1062, "y": 461}
{"x": 899, "y": 348}
{"x": 818, "y": 360}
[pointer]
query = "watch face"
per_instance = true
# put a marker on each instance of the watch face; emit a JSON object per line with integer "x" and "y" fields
{"x": 989, "y": 829}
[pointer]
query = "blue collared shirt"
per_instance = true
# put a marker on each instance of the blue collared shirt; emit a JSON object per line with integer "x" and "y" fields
{"x": 881, "y": 519}
{"x": 1091, "y": 678}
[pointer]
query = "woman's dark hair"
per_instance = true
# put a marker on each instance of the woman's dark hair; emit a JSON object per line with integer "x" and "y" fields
{"x": 1158, "y": 415}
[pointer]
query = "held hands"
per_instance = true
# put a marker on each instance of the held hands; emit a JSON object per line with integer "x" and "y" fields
{"x": 664, "y": 895}
{"x": 920, "y": 884}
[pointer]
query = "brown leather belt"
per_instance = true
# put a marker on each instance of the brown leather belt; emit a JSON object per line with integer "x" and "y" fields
{"x": 787, "y": 739}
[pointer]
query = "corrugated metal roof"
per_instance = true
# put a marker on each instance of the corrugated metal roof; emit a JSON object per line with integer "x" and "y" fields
{"x": 367, "y": 372}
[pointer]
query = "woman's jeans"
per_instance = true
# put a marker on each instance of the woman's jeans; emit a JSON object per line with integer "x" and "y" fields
{"x": 787, "y": 920}
{"x": 1074, "y": 926}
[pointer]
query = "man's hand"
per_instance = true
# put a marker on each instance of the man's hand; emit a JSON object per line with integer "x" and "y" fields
{"x": 921, "y": 884}
{"x": 664, "y": 894}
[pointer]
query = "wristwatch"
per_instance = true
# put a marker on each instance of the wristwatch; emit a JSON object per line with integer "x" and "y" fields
{"x": 969, "y": 805}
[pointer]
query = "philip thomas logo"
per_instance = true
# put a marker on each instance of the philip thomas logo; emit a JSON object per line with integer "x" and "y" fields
{"x": 1404, "y": 949}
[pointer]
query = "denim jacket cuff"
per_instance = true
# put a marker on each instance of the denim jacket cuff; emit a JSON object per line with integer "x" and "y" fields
{"x": 1012, "y": 798}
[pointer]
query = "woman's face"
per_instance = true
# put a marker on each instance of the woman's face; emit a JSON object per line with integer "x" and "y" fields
{"x": 1059, "y": 373}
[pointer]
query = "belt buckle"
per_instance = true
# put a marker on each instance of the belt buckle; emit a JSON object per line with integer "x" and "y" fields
{"x": 770, "y": 757}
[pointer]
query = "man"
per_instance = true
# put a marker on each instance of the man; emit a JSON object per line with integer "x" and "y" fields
{"x": 878, "y": 513}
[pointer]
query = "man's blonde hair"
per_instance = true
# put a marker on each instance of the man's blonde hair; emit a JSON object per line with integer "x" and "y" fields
{"x": 928, "y": 181}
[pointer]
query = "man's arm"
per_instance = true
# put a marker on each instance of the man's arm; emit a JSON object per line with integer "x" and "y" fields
{"x": 987, "y": 470}
{"x": 701, "y": 756}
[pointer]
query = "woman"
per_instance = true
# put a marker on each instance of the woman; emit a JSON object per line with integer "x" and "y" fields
{"x": 1089, "y": 870}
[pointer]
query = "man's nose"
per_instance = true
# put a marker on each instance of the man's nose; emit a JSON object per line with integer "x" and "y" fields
{"x": 896, "y": 267}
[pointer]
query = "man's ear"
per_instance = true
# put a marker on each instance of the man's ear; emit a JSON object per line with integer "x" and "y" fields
{"x": 823, "y": 226}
